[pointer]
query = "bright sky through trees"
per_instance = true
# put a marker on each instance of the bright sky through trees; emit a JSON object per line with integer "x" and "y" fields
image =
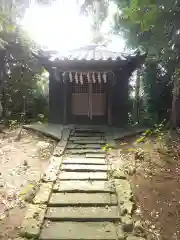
{"x": 60, "y": 26}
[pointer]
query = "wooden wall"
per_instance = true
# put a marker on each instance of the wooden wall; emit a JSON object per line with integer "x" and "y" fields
{"x": 56, "y": 100}
{"x": 119, "y": 100}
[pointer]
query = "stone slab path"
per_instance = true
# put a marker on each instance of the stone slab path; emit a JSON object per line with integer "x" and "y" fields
{"x": 79, "y": 199}
{"x": 83, "y": 204}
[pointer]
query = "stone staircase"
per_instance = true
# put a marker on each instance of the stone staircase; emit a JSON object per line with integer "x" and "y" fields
{"x": 77, "y": 200}
{"x": 83, "y": 204}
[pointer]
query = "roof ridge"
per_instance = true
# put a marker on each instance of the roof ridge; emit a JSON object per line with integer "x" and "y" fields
{"x": 90, "y": 52}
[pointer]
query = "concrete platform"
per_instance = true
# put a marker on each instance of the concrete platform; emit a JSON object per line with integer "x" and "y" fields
{"x": 49, "y": 130}
{"x": 55, "y": 130}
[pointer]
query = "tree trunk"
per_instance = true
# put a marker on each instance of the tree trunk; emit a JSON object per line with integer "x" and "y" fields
{"x": 136, "y": 107}
{"x": 2, "y": 83}
{"x": 175, "y": 104}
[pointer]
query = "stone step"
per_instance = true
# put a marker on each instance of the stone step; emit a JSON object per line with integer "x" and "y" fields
{"x": 83, "y": 176}
{"x": 95, "y": 155}
{"x": 109, "y": 213}
{"x": 82, "y": 199}
{"x": 91, "y": 130}
{"x": 86, "y": 138}
{"x": 78, "y": 231}
{"x": 84, "y": 168}
{"x": 84, "y": 151}
{"x": 88, "y": 134}
{"x": 89, "y": 141}
{"x": 84, "y": 146}
{"x": 83, "y": 186}
{"x": 83, "y": 160}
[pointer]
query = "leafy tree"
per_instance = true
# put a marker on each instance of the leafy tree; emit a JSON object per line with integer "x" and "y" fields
{"x": 19, "y": 70}
{"x": 154, "y": 26}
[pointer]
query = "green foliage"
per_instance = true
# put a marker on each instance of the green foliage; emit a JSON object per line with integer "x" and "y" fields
{"x": 156, "y": 131}
{"x": 106, "y": 148}
{"x": 21, "y": 93}
{"x": 157, "y": 86}
{"x": 13, "y": 124}
{"x": 38, "y": 108}
{"x": 155, "y": 28}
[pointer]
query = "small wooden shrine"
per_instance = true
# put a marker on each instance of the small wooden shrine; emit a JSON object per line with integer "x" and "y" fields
{"x": 90, "y": 86}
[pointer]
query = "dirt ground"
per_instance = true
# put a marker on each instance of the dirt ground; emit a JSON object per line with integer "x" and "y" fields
{"x": 21, "y": 164}
{"x": 153, "y": 168}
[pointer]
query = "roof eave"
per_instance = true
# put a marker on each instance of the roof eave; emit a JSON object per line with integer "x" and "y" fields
{"x": 93, "y": 65}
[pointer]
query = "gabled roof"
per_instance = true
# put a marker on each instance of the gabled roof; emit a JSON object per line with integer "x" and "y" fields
{"x": 92, "y": 57}
{"x": 90, "y": 52}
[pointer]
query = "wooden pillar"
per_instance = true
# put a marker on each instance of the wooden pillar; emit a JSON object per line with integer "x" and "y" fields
{"x": 56, "y": 99}
{"x": 90, "y": 99}
{"x": 109, "y": 92}
{"x": 65, "y": 81}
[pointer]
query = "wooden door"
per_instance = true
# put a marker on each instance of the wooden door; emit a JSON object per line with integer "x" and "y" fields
{"x": 88, "y": 99}
{"x": 80, "y": 102}
{"x": 98, "y": 99}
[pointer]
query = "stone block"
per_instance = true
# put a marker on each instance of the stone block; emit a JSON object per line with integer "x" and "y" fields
{"x": 120, "y": 232}
{"x": 96, "y": 155}
{"x": 79, "y": 230}
{"x": 107, "y": 213}
{"x": 82, "y": 199}
{"x": 84, "y": 168}
{"x": 127, "y": 223}
{"x": 118, "y": 174}
{"x": 128, "y": 207}
{"x": 86, "y": 151}
{"x": 89, "y": 129}
{"x": 87, "y": 134}
{"x": 123, "y": 189}
{"x": 84, "y": 139}
{"x": 83, "y": 186}
{"x": 110, "y": 140}
{"x": 83, "y": 160}
{"x": 89, "y": 141}
{"x": 19, "y": 238}
{"x": 139, "y": 229}
{"x": 135, "y": 238}
{"x": 43, "y": 194}
{"x": 33, "y": 220}
{"x": 53, "y": 169}
{"x": 82, "y": 175}
{"x": 60, "y": 148}
{"x": 83, "y": 146}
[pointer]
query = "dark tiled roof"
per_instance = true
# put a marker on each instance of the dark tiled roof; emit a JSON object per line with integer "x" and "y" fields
{"x": 91, "y": 52}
